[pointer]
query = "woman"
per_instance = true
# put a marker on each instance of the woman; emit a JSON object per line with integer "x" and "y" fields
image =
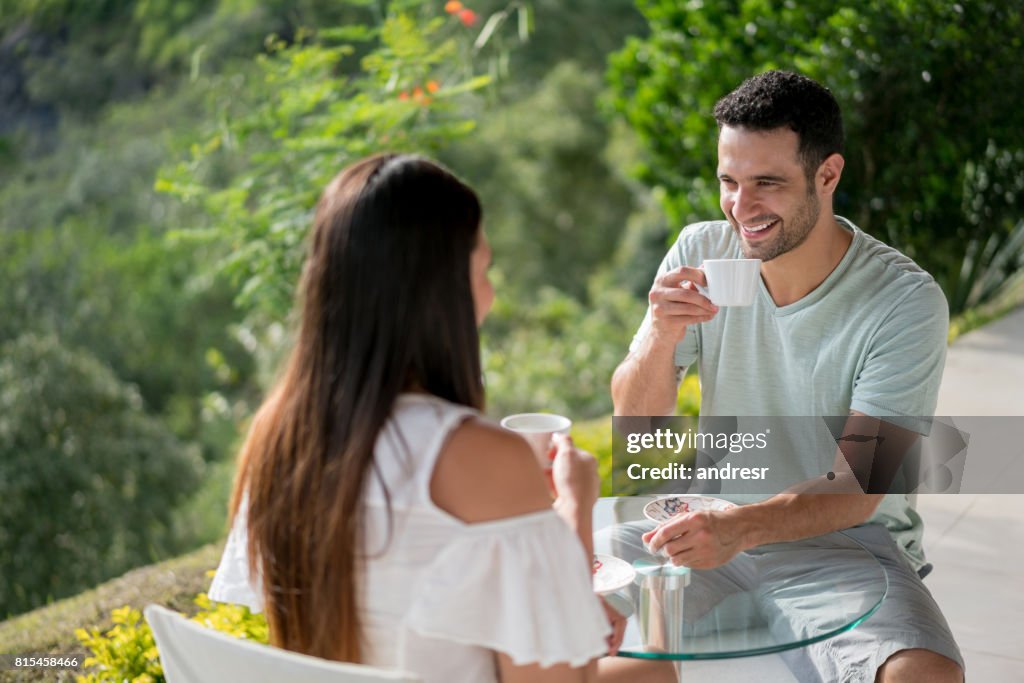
{"x": 386, "y": 521}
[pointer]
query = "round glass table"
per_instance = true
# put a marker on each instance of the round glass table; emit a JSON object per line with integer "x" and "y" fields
{"x": 769, "y": 599}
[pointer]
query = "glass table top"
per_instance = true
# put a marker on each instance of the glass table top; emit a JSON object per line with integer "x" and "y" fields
{"x": 768, "y": 599}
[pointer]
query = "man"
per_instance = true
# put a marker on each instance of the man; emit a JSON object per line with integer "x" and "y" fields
{"x": 843, "y": 324}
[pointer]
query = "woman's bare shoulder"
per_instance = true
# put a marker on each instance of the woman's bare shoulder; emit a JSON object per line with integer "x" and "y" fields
{"x": 485, "y": 473}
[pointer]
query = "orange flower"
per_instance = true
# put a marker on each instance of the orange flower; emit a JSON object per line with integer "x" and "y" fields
{"x": 452, "y": 6}
{"x": 433, "y": 86}
{"x": 403, "y": 95}
{"x": 417, "y": 93}
{"x": 467, "y": 17}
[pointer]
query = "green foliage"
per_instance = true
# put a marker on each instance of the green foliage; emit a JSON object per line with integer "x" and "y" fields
{"x": 640, "y": 249}
{"x": 547, "y": 351}
{"x": 88, "y": 481}
{"x": 573, "y": 242}
{"x": 79, "y": 56}
{"x": 992, "y": 201}
{"x": 85, "y": 262}
{"x": 85, "y": 258}
{"x": 930, "y": 111}
{"x": 127, "y": 651}
{"x": 688, "y": 400}
{"x": 554, "y": 203}
{"x": 51, "y": 629}
{"x": 595, "y": 437}
{"x": 235, "y": 620}
{"x": 304, "y": 115}
{"x": 581, "y": 31}
{"x": 1012, "y": 297}
{"x": 53, "y": 13}
{"x": 135, "y": 305}
{"x": 201, "y": 518}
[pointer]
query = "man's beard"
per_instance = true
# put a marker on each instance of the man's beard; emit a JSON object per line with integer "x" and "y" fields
{"x": 790, "y": 234}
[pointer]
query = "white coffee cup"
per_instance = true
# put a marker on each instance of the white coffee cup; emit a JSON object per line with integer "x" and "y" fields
{"x": 538, "y": 429}
{"x": 731, "y": 282}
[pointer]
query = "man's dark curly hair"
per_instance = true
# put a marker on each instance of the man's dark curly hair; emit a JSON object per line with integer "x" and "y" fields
{"x": 781, "y": 98}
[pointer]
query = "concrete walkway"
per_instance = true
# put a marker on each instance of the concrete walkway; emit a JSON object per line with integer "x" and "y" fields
{"x": 976, "y": 542}
{"x": 985, "y": 371}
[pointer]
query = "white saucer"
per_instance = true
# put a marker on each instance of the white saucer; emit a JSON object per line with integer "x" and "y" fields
{"x": 611, "y": 574}
{"x": 664, "y": 509}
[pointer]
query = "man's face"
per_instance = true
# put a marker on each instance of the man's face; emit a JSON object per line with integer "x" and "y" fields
{"x": 765, "y": 194}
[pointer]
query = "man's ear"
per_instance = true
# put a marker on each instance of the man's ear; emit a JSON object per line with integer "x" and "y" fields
{"x": 827, "y": 177}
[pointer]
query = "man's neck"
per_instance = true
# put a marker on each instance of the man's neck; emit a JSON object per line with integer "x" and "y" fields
{"x": 799, "y": 272}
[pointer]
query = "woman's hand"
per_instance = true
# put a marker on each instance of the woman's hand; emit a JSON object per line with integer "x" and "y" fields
{"x": 618, "y": 624}
{"x": 574, "y": 474}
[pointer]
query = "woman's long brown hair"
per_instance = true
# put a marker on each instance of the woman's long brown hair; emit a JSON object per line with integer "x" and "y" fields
{"x": 386, "y": 306}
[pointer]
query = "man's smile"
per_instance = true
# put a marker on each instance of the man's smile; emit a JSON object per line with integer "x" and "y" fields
{"x": 757, "y": 230}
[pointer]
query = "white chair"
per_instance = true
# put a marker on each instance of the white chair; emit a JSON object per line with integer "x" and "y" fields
{"x": 191, "y": 653}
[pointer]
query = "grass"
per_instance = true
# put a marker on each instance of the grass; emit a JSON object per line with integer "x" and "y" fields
{"x": 51, "y": 629}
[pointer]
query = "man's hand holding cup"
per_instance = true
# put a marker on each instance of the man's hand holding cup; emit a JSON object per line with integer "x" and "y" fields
{"x": 676, "y": 303}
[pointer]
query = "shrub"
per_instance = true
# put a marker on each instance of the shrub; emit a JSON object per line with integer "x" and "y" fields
{"x": 308, "y": 108}
{"x": 935, "y": 149}
{"x": 88, "y": 480}
{"x": 551, "y": 351}
{"x": 127, "y": 651}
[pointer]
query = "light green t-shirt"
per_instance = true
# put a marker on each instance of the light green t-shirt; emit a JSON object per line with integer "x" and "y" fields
{"x": 870, "y": 338}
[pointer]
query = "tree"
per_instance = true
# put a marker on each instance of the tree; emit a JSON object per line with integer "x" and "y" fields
{"x": 79, "y": 56}
{"x": 308, "y": 109}
{"x": 581, "y": 31}
{"x": 88, "y": 481}
{"x": 134, "y": 303}
{"x": 554, "y": 205}
{"x": 934, "y": 131}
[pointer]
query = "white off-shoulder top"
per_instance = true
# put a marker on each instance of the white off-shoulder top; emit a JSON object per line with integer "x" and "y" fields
{"x": 442, "y": 596}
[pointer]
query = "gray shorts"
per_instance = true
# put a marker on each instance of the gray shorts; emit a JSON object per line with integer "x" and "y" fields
{"x": 908, "y": 617}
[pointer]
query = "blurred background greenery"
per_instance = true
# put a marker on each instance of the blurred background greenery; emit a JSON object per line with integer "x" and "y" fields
{"x": 159, "y": 160}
